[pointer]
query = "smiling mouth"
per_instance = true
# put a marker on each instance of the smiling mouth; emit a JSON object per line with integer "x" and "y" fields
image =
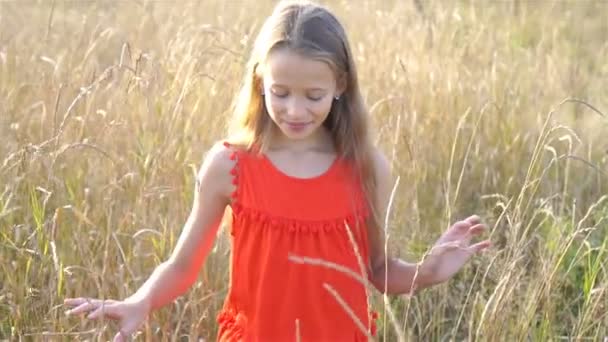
{"x": 297, "y": 126}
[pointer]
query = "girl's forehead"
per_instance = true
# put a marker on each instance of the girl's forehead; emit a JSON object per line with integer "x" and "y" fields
{"x": 289, "y": 68}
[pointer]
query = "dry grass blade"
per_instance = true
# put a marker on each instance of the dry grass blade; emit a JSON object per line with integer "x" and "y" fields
{"x": 349, "y": 311}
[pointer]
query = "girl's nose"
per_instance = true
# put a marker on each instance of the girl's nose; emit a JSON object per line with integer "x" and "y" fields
{"x": 295, "y": 107}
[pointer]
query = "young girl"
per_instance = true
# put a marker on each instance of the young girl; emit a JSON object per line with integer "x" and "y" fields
{"x": 307, "y": 192}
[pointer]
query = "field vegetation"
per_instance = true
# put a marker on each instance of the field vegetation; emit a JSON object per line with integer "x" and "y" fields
{"x": 496, "y": 108}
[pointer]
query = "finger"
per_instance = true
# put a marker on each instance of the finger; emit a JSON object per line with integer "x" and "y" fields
{"x": 461, "y": 226}
{"x": 445, "y": 247}
{"x": 477, "y": 229}
{"x": 88, "y": 304}
{"x": 472, "y": 232}
{"x": 107, "y": 310}
{"x": 82, "y": 308}
{"x": 97, "y": 313}
{"x": 128, "y": 328}
{"x": 80, "y": 300}
{"x": 480, "y": 246}
{"x": 75, "y": 301}
{"x": 473, "y": 219}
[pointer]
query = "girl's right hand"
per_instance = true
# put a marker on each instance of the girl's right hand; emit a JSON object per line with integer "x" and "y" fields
{"x": 129, "y": 313}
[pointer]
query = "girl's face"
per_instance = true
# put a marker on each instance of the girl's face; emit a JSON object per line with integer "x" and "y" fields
{"x": 299, "y": 92}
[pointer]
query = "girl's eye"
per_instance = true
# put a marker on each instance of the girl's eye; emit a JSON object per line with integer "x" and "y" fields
{"x": 315, "y": 99}
{"x": 279, "y": 94}
{"x": 284, "y": 94}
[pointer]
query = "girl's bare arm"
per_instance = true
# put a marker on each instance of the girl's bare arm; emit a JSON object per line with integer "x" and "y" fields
{"x": 212, "y": 194}
{"x": 387, "y": 274}
{"x": 447, "y": 256}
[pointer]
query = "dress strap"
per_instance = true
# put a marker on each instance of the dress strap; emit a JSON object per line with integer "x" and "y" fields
{"x": 235, "y": 156}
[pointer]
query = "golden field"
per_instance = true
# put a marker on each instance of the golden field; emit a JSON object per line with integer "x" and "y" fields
{"x": 497, "y": 108}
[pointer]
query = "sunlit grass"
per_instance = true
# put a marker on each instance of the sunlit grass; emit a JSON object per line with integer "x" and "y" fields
{"x": 106, "y": 110}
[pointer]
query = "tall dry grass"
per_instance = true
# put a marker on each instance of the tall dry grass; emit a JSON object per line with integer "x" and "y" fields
{"x": 106, "y": 109}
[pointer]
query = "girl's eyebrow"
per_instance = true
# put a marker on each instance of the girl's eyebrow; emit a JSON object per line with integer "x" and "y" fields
{"x": 309, "y": 89}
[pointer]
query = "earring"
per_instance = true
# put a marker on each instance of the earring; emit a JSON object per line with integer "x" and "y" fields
{"x": 337, "y": 97}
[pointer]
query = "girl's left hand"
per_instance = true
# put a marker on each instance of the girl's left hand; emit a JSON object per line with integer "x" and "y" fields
{"x": 453, "y": 249}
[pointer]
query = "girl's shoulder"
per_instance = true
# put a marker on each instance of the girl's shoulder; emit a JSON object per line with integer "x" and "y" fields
{"x": 219, "y": 156}
{"x": 222, "y": 153}
{"x": 218, "y": 163}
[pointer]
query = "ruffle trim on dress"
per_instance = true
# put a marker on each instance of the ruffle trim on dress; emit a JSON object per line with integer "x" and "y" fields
{"x": 373, "y": 326}
{"x": 372, "y": 329}
{"x": 232, "y": 325}
{"x": 355, "y": 220}
{"x": 264, "y": 219}
{"x": 234, "y": 171}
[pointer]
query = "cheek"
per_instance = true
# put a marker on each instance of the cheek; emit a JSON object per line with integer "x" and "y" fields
{"x": 273, "y": 106}
{"x": 323, "y": 107}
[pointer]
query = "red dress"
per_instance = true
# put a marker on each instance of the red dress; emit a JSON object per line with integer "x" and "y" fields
{"x": 273, "y": 297}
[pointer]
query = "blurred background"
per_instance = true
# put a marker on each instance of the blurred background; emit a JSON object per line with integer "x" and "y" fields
{"x": 491, "y": 107}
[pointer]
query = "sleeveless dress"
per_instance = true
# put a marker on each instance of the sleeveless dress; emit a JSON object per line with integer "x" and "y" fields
{"x": 282, "y": 228}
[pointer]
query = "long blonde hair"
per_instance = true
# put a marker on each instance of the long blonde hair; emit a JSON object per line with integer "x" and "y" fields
{"x": 312, "y": 31}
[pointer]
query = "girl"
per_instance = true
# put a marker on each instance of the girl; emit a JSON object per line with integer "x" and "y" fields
{"x": 307, "y": 192}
